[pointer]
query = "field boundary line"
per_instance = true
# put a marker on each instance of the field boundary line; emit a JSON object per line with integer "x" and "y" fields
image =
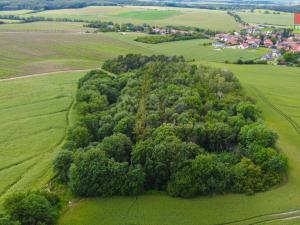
{"x": 294, "y": 124}
{"x": 43, "y": 74}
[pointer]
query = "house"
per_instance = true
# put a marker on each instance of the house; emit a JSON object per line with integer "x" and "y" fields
{"x": 268, "y": 43}
{"x": 244, "y": 45}
{"x": 253, "y": 41}
{"x": 232, "y": 40}
{"x": 296, "y": 48}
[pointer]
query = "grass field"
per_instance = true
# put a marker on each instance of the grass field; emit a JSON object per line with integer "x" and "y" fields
{"x": 24, "y": 53}
{"x": 48, "y": 46}
{"x": 276, "y": 90}
{"x": 259, "y": 17}
{"x": 34, "y": 115}
{"x": 212, "y": 19}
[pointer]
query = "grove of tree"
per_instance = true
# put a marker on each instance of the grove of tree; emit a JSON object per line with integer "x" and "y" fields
{"x": 159, "y": 123}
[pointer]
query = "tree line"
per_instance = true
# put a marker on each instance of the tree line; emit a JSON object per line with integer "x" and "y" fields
{"x": 156, "y": 39}
{"x": 163, "y": 124}
{"x": 63, "y": 4}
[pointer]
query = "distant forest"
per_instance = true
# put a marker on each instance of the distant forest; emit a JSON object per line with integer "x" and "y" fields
{"x": 63, "y": 4}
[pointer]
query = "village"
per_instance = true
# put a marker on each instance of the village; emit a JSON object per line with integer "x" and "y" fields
{"x": 278, "y": 41}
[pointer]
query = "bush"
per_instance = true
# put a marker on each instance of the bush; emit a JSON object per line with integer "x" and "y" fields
{"x": 33, "y": 208}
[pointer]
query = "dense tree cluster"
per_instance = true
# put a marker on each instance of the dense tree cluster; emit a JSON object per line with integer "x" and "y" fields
{"x": 156, "y": 39}
{"x": 31, "y": 208}
{"x": 290, "y": 58}
{"x": 103, "y": 26}
{"x": 163, "y": 124}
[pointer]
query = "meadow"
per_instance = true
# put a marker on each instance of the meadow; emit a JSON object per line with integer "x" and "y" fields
{"x": 259, "y": 17}
{"x": 210, "y": 19}
{"x": 48, "y": 48}
{"x": 41, "y": 47}
{"x": 35, "y": 113}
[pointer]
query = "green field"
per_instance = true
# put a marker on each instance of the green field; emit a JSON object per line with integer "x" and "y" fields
{"x": 47, "y": 46}
{"x": 259, "y": 17}
{"x": 35, "y": 113}
{"x": 47, "y": 50}
{"x": 149, "y": 14}
{"x": 212, "y": 19}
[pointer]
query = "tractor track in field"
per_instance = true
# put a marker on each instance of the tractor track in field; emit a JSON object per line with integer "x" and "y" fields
{"x": 294, "y": 124}
{"x": 43, "y": 74}
{"x": 60, "y": 142}
{"x": 264, "y": 218}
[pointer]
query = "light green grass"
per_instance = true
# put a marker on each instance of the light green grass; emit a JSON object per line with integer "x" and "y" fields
{"x": 258, "y": 17}
{"x": 212, "y": 19}
{"x": 193, "y": 49}
{"x": 24, "y": 53}
{"x": 34, "y": 115}
{"x": 149, "y": 14}
{"x": 271, "y": 87}
{"x": 15, "y": 12}
{"x": 44, "y": 26}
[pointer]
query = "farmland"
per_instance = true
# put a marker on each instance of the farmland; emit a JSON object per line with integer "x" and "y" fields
{"x": 259, "y": 17}
{"x": 216, "y": 20}
{"x": 36, "y": 111}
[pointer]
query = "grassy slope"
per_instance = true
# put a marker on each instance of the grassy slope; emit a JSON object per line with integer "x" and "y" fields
{"x": 33, "y": 119}
{"x": 46, "y": 47}
{"x": 281, "y": 93}
{"x": 39, "y": 52}
{"x": 212, "y": 19}
{"x": 273, "y": 19}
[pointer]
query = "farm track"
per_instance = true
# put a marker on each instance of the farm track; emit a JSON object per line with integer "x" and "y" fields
{"x": 275, "y": 108}
{"x": 43, "y": 74}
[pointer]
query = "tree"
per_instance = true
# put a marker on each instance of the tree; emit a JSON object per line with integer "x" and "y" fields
{"x": 247, "y": 177}
{"x": 32, "y": 208}
{"x": 62, "y": 164}
{"x": 248, "y": 110}
{"x": 78, "y": 137}
{"x": 257, "y": 134}
{"x": 117, "y": 146}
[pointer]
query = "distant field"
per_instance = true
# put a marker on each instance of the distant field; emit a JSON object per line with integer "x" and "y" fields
{"x": 258, "y": 17}
{"x": 149, "y": 14}
{"x": 193, "y": 49}
{"x": 15, "y": 12}
{"x": 24, "y": 53}
{"x": 277, "y": 91}
{"x": 213, "y": 19}
{"x": 33, "y": 120}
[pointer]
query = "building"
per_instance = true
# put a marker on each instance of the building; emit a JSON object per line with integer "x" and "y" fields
{"x": 268, "y": 43}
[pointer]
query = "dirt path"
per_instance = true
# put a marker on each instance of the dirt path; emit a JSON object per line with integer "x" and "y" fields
{"x": 43, "y": 74}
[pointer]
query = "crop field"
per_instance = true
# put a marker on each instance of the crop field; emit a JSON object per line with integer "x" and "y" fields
{"x": 212, "y": 19}
{"x": 47, "y": 51}
{"x": 278, "y": 100}
{"x": 193, "y": 49}
{"x": 34, "y": 116}
{"x": 47, "y": 46}
{"x": 15, "y": 12}
{"x": 258, "y": 17}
